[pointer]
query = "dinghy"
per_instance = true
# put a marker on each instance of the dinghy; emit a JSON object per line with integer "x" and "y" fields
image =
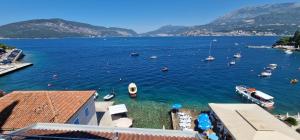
{"x": 132, "y": 89}
{"x": 109, "y": 96}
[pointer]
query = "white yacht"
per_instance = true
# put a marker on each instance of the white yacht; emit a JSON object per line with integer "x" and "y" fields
{"x": 255, "y": 96}
{"x": 237, "y": 55}
{"x": 288, "y": 52}
{"x": 266, "y": 73}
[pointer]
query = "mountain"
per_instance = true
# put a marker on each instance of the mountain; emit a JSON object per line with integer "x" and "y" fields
{"x": 168, "y": 30}
{"x": 59, "y": 28}
{"x": 270, "y": 19}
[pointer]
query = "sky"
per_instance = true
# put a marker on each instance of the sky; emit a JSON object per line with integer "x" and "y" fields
{"x": 139, "y": 15}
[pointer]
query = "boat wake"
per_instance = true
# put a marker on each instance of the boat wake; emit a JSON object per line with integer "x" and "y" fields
{"x": 260, "y": 47}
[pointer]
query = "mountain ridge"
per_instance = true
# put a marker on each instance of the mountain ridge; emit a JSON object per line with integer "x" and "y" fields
{"x": 55, "y": 27}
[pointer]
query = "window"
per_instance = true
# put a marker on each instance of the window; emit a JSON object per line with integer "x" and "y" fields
{"x": 86, "y": 111}
{"x": 76, "y": 121}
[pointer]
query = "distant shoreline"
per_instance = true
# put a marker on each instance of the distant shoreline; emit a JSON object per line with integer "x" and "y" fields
{"x": 149, "y": 36}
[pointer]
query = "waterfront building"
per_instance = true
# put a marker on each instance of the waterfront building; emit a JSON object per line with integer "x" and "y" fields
{"x": 249, "y": 122}
{"x": 23, "y": 108}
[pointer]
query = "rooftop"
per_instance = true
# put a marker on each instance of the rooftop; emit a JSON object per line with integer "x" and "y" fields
{"x": 251, "y": 122}
{"x": 22, "y": 108}
{"x": 95, "y": 132}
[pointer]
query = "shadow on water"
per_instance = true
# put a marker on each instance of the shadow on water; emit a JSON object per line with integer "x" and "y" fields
{"x": 5, "y": 113}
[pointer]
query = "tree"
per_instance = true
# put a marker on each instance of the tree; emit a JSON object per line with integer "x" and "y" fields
{"x": 296, "y": 38}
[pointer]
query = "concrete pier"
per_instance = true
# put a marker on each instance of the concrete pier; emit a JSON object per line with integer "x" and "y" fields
{"x": 8, "y": 68}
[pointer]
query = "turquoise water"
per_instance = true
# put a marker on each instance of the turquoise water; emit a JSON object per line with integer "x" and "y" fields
{"x": 105, "y": 64}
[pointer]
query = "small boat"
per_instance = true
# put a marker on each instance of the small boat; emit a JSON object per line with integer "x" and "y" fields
{"x": 153, "y": 57}
{"x": 164, "y": 69}
{"x": 210, "y": 58}
{"x": 255, "y": 96}
{"x": 132, "y": 89}
{"x": 288, "y": 52}
{"x": 237, "y": 55}
{"x": 232, "y": 63}
{"x": 266, "y": 73}
{"x": 134, "y": 54}
{"x": 96, "y": 95}
{"x": 272, "y": 66}
{"x": 294, "y": 81}
{"x": 109, "y": 96}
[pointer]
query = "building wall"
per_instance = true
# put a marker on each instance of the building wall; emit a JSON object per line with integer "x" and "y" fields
{"x": 86, "y": 115}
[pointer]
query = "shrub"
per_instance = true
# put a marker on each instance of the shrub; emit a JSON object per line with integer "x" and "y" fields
{"x": 291, "y": 121}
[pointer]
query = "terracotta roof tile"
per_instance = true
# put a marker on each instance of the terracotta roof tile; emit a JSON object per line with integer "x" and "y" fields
{"x": 96, "y": 135}
{"x": 22, "y": 108}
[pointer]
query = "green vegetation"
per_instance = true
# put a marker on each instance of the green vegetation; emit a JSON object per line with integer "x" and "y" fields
{"x": 6, "y": 47}
{"x": 293, "y": 41}
{"x": 291, "y": 121}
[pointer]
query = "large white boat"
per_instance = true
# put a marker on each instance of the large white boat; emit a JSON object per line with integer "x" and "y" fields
{"x": 255, "y": 96}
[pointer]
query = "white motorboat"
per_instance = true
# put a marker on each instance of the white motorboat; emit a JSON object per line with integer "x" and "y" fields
{"x": 237, "y": 55}
{"x": 153, "y": 57}
{"x": 232, "y": 63}
{"x": 255, "y": 96}
{"x": 288, "y": 52}
{"x": 266, "y": 73}
{"x": 134, "y": 54}
{"x": 272, "y": 66}
{"x": 210, "y": 58}
{"x": 132, "y": 89}
{"x": 109, "y": 96}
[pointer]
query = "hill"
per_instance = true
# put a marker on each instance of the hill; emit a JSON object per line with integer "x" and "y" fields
{"x": 58, "y": 28}
{"x": 270, "y": 19}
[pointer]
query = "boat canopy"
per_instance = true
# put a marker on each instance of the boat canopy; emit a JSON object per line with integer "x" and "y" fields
{"x": 251, "y": 90}
{"x": 117, "y": 109}
{"x": 263, "y": 95}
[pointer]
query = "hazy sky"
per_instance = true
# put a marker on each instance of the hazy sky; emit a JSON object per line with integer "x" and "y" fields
{"x": 140, "y": 15}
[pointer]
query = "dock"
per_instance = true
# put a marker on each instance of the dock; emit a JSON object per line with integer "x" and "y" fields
{"x": 8, "y": 68}
{"x": 175, "y": 119}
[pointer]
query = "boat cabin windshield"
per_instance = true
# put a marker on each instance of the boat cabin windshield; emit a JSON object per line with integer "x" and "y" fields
{"x": 253, "y": 94}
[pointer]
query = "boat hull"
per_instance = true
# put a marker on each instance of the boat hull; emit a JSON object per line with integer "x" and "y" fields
{"x": 241, "y": 91}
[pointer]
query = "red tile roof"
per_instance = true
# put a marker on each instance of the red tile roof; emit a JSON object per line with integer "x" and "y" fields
{"x": 33, "y": 133}
{"x": 22, "y": 108}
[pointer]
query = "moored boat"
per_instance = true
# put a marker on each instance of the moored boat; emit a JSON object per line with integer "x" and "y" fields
{"x": 232, "y": 63}
{"x": 109, "y": 96}
{"x": 272, "y": 66}
{"x": 294, "y": 81}
{"x": 288, "y": 52}
{"x": 210, "y": 58}
{"x": 132, "y": 89}
{"x": 256, "y": 96}
{"x": 134, "y": 54}
{"x": 237, "y": 55}
{"x": 164, "y": 69}
{"x": 266, "y": 73}
{"x": 153, "y": 57}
